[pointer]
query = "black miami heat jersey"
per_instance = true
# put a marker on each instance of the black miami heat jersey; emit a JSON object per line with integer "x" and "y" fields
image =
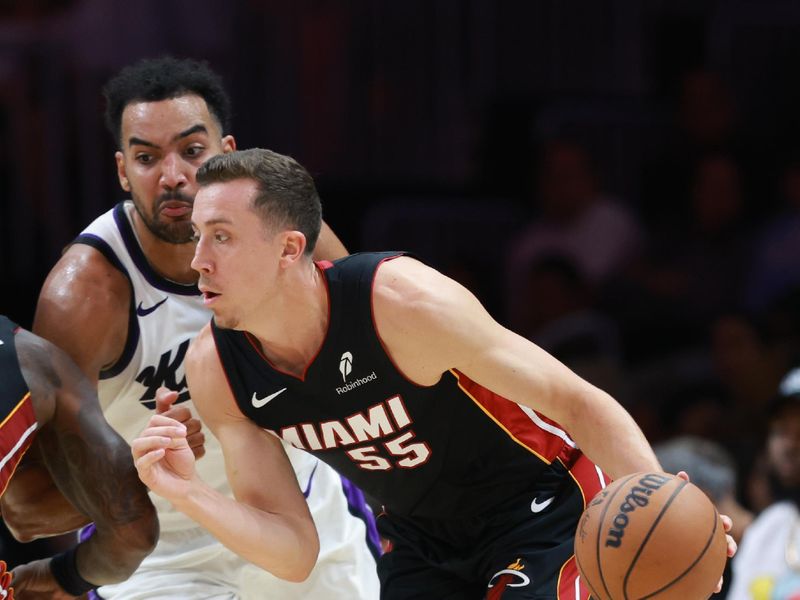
{"x": 17, "y": 419}
{"x": 451, "y": 450}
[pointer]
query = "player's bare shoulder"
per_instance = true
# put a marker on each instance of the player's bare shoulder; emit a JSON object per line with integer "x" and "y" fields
{"x": 47, "y": 371}
{"x": 203, "y": 349}
{"x": 409, "y": 294}
{"x": 417, "y": 310}
{"x": 85, "y": 298}
{"x": 208, "y": 384}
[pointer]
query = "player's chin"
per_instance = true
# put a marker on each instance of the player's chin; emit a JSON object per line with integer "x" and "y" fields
{"x": 224, "y": 320}
{"x": 177, "y": 230}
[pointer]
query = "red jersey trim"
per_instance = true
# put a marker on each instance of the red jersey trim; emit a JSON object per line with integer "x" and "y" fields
{"x": 518, "y": 424}
{"x": 16, "y": 436}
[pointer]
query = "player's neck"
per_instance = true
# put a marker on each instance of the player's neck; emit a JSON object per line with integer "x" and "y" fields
{"x": 294, "y": 327}
{"x": 171, "y": 261}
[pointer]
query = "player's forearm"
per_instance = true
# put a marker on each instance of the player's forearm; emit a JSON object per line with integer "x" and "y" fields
{"x": 33, "y": 507}
{"x": 104, "y": 484}
{"x": 608, "y": 435}
{"x": 284, "y": 545}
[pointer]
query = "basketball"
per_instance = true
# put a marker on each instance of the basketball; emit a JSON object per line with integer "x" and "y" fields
{"x": 650, "y": 535}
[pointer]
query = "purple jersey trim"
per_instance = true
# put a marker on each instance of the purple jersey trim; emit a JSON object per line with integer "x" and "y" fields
{"x": 358, "y": 507}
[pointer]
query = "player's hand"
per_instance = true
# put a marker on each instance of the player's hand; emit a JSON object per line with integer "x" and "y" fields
{"x": 35, "y": 581}
{"x": 165, "y": 400}
{"x": 6, "y": 591}
{"x": 163, "y": 458}
{"x": 727, "y": 523}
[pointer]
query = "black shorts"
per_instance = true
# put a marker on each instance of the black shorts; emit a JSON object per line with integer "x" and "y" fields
{"x": 524, "y": 550}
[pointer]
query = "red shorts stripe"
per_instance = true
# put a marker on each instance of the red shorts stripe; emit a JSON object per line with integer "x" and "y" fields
{"x": 570, "y": 584}
{"x": 590, "y": 479}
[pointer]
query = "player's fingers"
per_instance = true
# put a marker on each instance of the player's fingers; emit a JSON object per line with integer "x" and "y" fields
{"x": 142, "y": 445}
{"x": 683, "y": 475}
{"x": 192, "y": 426}
{"x": 732, "y": 545}
{"x": 144, "y": 462}
{"x": 170, "y": 431}
{"x": 3, "y": 567}
{"x": 727, "y": 522}
{"x": 165, "y": 398}
{"x": 179, "y": 413}
{"x": 161, "y": 420}
{"x": 196, "y": 439}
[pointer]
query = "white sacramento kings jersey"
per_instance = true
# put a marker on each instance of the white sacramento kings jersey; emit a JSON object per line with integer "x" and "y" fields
{"x": 164, "y": 316}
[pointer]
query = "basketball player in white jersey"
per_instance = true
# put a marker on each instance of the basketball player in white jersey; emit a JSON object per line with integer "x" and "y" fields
{"x": 123, "y": 302}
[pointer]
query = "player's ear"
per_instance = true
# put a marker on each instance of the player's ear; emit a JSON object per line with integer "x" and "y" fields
{"x": 121, "y": 172}
{"x": 294, "y": 246}
{"x": 228, "y": 144}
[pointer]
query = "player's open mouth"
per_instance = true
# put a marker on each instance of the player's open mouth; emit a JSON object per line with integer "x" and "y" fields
{"x": 209, "y": 297}
{"x": 175, "y": 209}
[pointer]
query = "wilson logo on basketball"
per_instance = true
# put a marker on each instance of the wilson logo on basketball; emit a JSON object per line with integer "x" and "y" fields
{"x": 637, "y": 497}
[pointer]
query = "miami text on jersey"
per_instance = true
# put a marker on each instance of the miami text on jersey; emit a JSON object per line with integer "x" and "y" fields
{"x": 382, "y": 421}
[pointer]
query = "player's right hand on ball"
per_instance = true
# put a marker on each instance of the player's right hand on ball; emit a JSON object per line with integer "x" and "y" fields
{"x": 165, "y": 405}
{"x": 163, "y": 458}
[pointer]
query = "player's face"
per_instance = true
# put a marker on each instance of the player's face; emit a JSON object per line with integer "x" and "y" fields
{"x": 163, "y": 145}
{"x": 783, "y": 446}
{"x": 236, "y": 256}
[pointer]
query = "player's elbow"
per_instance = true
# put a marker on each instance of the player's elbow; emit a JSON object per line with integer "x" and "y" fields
{"x": 20, "y": 532}
{"x": 299, "y": 569}
{"x": 140, "y": 538}
{"x": 303, "y": 567}
{"x": 146, "y": 533}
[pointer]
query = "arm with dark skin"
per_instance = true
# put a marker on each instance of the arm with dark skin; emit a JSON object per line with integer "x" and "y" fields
{"x": 91, "y": 465}
{"x": 82, "y": 309}
{"x": 32, "y": 486}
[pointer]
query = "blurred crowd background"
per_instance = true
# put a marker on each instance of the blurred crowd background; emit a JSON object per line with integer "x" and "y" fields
{"x": 617, "y": 180}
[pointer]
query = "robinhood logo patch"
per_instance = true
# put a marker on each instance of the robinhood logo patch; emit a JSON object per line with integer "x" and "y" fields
{"x": 346, "y": 365}
{"x": 345, "y": 368}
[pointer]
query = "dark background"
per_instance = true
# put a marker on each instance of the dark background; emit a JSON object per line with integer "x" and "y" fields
{"x": 433, "y": 98}
{"x": 426, "y": 124}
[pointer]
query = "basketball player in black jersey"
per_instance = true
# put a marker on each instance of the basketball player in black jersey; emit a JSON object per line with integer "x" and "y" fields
{"x": 481, "y": 446}
{"x": 43, "y": 396}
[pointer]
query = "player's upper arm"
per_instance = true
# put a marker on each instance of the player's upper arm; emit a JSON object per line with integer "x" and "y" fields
{"x": 430, "y": 324}
{"x": 83, "y": 308}
{"x": 252, "y": 455}
{"x": 88, "y": 460}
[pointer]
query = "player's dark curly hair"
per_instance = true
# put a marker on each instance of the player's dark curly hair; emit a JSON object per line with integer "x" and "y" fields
{"x": 151, "y": 80}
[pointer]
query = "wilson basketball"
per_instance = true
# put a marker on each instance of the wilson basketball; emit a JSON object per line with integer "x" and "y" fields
{"x": 650, "y": 535}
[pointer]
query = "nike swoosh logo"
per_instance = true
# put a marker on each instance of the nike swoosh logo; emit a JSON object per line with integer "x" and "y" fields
{"x": 259, "y": 402}
{"x": 307, "y": 491}
{"x": 143, "y": 312}
{"x": 537, "y": 507}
